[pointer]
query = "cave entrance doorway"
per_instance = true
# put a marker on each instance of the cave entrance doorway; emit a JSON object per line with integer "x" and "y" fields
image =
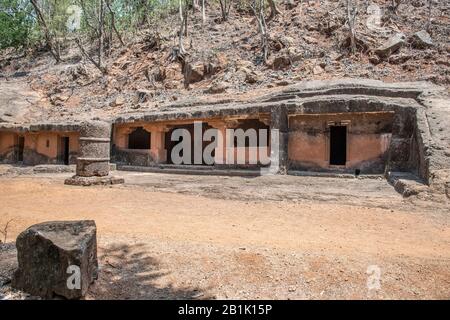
{"x": 20, "y": 148}
{"x": 139, "y": 139}
{"x": 190, "y": 128}
{"x": 338, "y": 145}
{"x": 64, "y": 150}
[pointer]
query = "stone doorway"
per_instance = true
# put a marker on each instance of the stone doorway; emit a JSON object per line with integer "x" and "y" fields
{"x": 171, "y": 144}
{"x": 20, "y": 145}
{"x": 139, "y": 139}
{"x": 64, "y": 150}
{"x": 338, "y": 145}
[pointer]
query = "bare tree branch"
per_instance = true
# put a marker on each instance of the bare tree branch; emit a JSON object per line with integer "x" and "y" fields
{"x": 113, "y": 24}
{"x": 351, "y": 17}
{"x": 87, "y": 56}
{"x": 225, "y": 7}
{"x": 258, "y": 11}
{"x": 49, "y": 38}
{"x": 4, "y": 232}
{"x": 273, "y": 9}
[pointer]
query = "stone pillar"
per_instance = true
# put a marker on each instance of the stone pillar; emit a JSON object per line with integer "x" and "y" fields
{"x": 93, "y": 159}
{"x": 29, "y": 148}
{"x": 401, "y": 142}
{"x": 279, "y": 135}
{"x": 158, "y": 148}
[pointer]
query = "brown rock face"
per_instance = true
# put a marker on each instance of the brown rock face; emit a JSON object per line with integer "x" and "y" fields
{"x": 391, "y": 45}
{"x": 194, "y": 73}
{"x": 281, "y": 63}
{"x": 57, "y": 259}
{"x": 421, "y": 40}
{"x": 219, "y": 87}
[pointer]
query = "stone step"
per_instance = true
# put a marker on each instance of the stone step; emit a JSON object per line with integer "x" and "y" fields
{"x": 406, "y": 183}
{"x": 301, "y": 173}
{"x": 191, "y": 169}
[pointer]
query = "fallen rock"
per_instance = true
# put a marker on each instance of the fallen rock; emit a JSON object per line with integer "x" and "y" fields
{"x": 310, "y": 40}
{"x": 290, "y": 4}
{"x": 253, "y": 77}
{"x": 281, "y": 63}
{"x": 215, "y": 64}
{"x": 193, "y": 73}
{"x": 443, "y": 62}
{"x": 143, "y": 95}
{"x": 317, "y": 70}
{"x": 244, "y": 64}
{"x": 391, "y": 45}
{"x": 295, "y": 55}
{"x": 399, "y": 58}
{"x": 287, "y": 41}
{"x": 421, "y": 40}
{"x": 218, "y": 87}
{"x": 250, "y": 76}
{"x": 282, "y": 83}
{"x": 59, "y": 99}
{"x": 117, "y": 102}
{"x": 57, "y": 259}
{"x": 374, "y": 59}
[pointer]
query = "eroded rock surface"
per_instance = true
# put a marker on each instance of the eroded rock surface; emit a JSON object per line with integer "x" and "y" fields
{"x": 47, "y": 251}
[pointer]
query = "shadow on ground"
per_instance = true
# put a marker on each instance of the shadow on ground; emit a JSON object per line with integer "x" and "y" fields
{"x": 128, "y": 272}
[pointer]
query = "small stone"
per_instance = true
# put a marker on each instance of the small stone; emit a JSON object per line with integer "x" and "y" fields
{"x": 290, "y": 4}
{"x": 194, "y": 72}
{"x": 287, "y": 41}
{"x": 317, "y": 70}
{"x": 117, "y": 102}
{"x": 219, "y": 87}
{"x": 143, "y": 95}
{"x": 281, "y": 63}
{"x": 253, "y": 77}
{"x": 443, "y": 62}
{"x": 421, "y": 40}
{"x": 391, "y": 45}
{"x": 282, "y": 83}
{"x": 310, "y": 40}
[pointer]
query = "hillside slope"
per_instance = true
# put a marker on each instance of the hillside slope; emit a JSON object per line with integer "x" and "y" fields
{"x": 308, "y": 40}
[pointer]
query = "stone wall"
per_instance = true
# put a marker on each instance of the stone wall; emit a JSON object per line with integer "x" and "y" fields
{"x": 39, "y": 147}
{"x": 7, "y": 147}
{"x": 368, "y": 140}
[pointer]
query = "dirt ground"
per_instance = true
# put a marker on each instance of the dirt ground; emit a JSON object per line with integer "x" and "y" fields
{"x": 166, "y": 236}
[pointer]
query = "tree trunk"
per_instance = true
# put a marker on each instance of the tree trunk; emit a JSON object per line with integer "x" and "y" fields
{"x": 351, "y": 15}
{"x": 113, "y": 23}
{"x": 49, "y": 38}
{"x": 87, "y": 56}
{"x": 181, "y": 32}
{"x": 273, "y": 9}
{"x": 258, "y": 11}
{"x": 101, "y": 27}
{"x": 203, "y": 12}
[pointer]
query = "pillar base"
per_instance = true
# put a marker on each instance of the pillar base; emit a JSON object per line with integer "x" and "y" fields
{"x": 92, "y": 181}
